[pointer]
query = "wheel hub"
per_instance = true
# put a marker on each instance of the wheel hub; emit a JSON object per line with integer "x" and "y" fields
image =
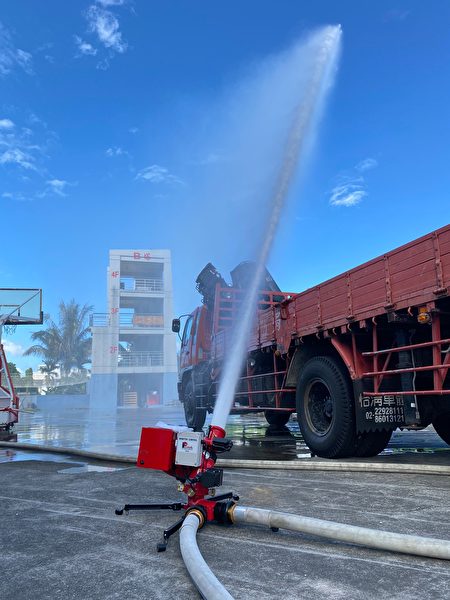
{"x": 319, "y": 407}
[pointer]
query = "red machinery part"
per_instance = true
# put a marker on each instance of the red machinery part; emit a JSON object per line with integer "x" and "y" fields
{"x": 157, "y": 449}
{"x": 9, "y": 401}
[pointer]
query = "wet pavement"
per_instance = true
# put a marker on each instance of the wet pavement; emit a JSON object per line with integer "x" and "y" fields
{"x": 62, "y": 540}
{"x": 118, "y": 433}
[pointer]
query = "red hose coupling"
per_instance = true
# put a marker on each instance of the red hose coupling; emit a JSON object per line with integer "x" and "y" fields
{"x": 216, "y": 432}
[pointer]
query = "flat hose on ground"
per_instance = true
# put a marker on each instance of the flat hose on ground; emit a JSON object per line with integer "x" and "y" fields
{"x": 233, "y": 463}
{"x": 371, "y": 538}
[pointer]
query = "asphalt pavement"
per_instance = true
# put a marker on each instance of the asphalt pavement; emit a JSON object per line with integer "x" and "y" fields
{"x": 62, "y": 540}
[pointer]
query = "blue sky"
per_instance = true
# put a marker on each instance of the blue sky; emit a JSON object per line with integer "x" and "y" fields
{"x": 110, "y": 129}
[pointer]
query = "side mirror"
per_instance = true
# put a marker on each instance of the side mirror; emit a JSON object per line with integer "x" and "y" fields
{"x": 176, "y": 324}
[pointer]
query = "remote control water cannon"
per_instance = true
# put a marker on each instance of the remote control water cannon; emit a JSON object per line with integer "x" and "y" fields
{"x": 190, "y": 457}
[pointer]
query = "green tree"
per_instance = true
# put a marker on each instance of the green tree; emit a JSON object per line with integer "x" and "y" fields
{"x": 66, "y": 344}
{"x": 29, "y": 376}
{"x": 13, "y": 370}
{"x": 48, "y": 346}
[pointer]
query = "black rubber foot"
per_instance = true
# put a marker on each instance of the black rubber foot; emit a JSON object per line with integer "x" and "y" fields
{"x": 275, "y": 529}
{"x": 161, "y": 547}
{"x": 119, "y": 511}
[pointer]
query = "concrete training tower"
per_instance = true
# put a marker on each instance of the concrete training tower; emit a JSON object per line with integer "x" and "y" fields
{"x": 134, "y": 360}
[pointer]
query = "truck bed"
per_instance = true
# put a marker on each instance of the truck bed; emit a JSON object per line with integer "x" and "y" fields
{"x": 411, "y": 275}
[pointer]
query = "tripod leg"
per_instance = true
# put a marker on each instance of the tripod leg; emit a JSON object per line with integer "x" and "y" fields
{"x": 161, "y": 547}
{"x": 223, "y": 497}
{"x": 168, "y": 505}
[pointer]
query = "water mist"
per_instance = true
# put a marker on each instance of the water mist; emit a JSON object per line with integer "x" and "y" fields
{"x": 316, "y": 67}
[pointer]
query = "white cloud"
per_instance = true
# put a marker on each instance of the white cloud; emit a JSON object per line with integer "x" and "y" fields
{"x": 15, "y": 156}
{"x": 133, "y": 130}
{"x": 111, "y": 2}
{"x": 18, "y": 196}
{"x": 12, "y": 348}
{"x": 6, "y": 124}
{"x": 106, "y": 26}
{"x": 11, "y": 57}
{"x": 103, "y": 64}
{"x": 347, "y": 194}
{"x": 351, "y": 186}
{"x": 58, "y": 186}
{"x": 158, "y": 174}
{"x": 25, "y": 147}
{"x": 366, "y": 165}
{"x": 116, "y": 151}
{"x": 85, "y": 48}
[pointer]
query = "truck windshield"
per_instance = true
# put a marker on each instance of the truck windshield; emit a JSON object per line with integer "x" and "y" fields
{"x": 187, "y": 330}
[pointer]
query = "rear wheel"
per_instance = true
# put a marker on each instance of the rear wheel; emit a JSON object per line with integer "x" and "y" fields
{"x": 442, "y": 425}
{"x": 372, "y": 443}
{"x": 195, "y": 417}
{"x": 277, "y": 417}
{"x": 325, "y": 408}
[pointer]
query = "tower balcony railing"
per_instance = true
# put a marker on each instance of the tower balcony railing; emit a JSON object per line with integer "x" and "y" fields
{"x": 127, "y": 320}
{"x": 140, "y": 359}
{"x": 140, "y": 286}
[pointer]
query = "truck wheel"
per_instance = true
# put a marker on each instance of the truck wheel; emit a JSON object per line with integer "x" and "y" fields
{"x": 195, "y": 417}
{"x": 442, "y": 425}
{"x": 277, "y": 417}
{"x": 372, "y": 443}
{"x": 325, "y": 409}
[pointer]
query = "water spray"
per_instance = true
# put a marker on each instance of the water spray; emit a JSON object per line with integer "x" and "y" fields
{"x": 326, "y": 44}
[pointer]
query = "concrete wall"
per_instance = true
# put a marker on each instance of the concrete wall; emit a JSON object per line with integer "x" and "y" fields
{"x": 55, "y": 402}
{"x": 103, "y": 391}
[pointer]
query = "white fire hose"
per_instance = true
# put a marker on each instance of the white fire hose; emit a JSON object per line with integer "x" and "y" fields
{"x": 370, "y": 538}
{"x": 210, "y": 587}
{"x": 206, "y": 582}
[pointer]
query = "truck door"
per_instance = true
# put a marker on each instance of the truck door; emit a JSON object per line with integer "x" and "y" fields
{"x": 186, "y": 344}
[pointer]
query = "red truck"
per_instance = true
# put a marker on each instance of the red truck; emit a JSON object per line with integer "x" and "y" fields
{"x": 355, "y": 357}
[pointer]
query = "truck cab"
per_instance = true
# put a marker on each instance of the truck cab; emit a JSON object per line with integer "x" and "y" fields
{"x": 196, "y": 339}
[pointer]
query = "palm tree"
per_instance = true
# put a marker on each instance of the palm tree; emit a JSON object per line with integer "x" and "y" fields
{"x": 68, "y": 344}
{"x": 76, "y": 342}
{"x": 48, "y": 368}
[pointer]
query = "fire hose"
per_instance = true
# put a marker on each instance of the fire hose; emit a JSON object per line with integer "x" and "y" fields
{"x": 237, "y": 463}
{"x": 204, "y": 579}
{"x": 210, "y": 587}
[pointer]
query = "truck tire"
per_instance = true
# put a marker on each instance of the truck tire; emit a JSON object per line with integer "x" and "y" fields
{"x": 277, "y": 417}
{"x": 441, "y": 423}
{"x": 195, "y": 417}
{"x": 325, "y": 408}
{"x": 372, "y": 443}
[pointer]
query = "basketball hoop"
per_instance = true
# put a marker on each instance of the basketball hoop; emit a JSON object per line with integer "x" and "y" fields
{"x": 9, "y": 329}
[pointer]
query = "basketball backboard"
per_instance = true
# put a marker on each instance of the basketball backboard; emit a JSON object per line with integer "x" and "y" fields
{"x": 21, "y": 306}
